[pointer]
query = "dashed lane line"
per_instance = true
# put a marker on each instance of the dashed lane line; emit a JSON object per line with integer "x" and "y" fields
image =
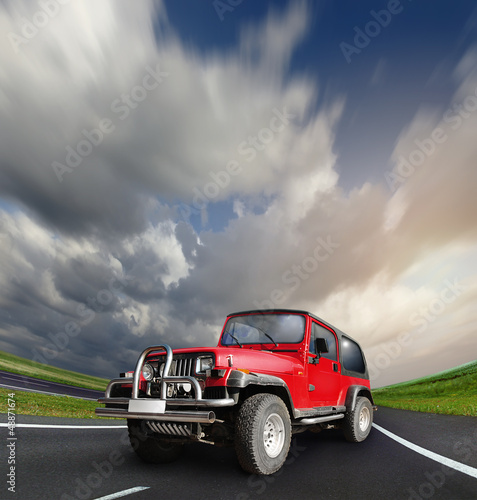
{"x": 123, "y": 493}
{"x": 448, "y": 462}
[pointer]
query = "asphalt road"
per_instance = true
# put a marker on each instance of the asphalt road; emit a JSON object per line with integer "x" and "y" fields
{"x": 24, "y": 383}
{"x": 89, "y": 463}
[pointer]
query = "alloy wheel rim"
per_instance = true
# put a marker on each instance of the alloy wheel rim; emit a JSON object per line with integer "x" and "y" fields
{"x": 273, "y": 435}
{"x": 364, "y": 419}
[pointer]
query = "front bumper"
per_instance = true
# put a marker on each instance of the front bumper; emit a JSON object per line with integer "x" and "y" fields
{"x": 157, "y": 408}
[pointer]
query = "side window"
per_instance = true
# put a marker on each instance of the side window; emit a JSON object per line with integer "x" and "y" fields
{"x": 352, "y": 356}
{"x": 318, "y": 331}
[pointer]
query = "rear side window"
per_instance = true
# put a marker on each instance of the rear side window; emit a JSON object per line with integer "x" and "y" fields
{"x": 318, "y": 331}
{"x": 352, "y": 356}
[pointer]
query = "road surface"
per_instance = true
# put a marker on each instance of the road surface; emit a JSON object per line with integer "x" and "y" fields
{"x": 90, "y": 463}
{"x": 23, "y": 383}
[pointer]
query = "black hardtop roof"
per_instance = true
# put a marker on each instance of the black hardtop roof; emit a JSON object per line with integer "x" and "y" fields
{"x": 294, "y": 311}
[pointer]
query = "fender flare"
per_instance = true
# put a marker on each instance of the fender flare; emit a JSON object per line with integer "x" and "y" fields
{"x": 240, "y": 380}
{"x": 352, "y": 395}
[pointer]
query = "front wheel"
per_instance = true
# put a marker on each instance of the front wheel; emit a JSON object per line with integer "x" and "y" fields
{"x": 357, "y": 423}
{"x": 262, "y": 434}
{"x": 151, "y": 447}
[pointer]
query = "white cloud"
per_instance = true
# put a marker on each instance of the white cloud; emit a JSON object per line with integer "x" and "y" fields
{"x": 165, "y": 258}
{"x": 364, "y": 260}
{"x": 202, "y": 113}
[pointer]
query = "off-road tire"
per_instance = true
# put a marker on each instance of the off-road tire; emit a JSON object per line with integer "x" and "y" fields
{"x": 262, "y": 434}
{"x": 151, "y": 447}
{"x": 357, "y": 423}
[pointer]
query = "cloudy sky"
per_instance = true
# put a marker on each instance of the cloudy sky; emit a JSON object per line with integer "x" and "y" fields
{"x": 166, "y": 163}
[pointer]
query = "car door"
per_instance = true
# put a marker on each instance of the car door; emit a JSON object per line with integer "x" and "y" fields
{"x": 324, "y": 370}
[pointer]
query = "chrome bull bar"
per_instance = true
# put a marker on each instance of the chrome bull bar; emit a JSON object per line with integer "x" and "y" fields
{"x": 156, "y": 408}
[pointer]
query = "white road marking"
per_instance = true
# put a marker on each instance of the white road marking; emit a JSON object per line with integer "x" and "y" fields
{"x": 58, "y": 426}
{"x": 123, "y": 493}
{"x": 448, "y": 462}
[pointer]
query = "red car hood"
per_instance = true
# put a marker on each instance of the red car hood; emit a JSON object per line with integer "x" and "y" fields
{"x": 247, "y": 358}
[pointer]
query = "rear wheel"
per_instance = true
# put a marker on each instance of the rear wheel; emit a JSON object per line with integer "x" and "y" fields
{"x": 151, "y": 447}
{"x": 262, "y": 434}
{"x": 357, "y": 423}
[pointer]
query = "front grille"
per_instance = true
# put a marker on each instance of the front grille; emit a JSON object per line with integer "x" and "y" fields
{"x": 182, "y": 367}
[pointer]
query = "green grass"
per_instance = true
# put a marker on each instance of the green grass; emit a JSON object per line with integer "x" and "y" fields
{"x": 22, "y": 366}
{"x": 32, "y": 403}
{"x": 452, "y": 392}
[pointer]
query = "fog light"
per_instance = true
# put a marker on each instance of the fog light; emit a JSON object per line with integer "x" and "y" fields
{"x": 148, "y": 372}
{"x": 184, "y": 388}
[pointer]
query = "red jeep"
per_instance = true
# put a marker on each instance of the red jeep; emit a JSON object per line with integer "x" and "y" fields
{"x": 274, "y": 373}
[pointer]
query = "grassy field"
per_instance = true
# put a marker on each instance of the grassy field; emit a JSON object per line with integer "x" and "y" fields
{"x": 453, "y": 392}
{"x": 32, "y": 403}
{"x": 22, "y": 366}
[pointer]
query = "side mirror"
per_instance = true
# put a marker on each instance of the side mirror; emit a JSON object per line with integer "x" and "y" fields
{"x": 321, "y": 345}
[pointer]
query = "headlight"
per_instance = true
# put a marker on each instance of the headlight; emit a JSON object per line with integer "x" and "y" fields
{"x": 148, "y": 371}
{"x": 203, "y": 364}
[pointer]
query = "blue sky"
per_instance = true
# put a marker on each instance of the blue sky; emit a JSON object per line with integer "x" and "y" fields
{"x": 166, "y": 163}
{"x": 404, "y": 59}
{"x": 402, "y": 68}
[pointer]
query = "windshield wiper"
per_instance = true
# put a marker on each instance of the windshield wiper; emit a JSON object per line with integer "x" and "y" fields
{"x": 235, "y": 338}
{"x": 266, "y": 334}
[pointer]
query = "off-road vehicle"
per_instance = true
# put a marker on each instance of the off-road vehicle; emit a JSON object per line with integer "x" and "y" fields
{"x": 273, "y": 373}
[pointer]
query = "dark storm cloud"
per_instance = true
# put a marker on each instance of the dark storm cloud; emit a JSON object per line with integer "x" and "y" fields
{"x": 113, "y": 132}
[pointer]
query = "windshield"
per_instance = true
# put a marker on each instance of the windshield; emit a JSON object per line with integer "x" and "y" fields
{"x": 264, "y": 329}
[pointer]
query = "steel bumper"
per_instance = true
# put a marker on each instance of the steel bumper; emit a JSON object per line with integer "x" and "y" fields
{"x": 152, "y": 408}
{"x": 156, "y": 409}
